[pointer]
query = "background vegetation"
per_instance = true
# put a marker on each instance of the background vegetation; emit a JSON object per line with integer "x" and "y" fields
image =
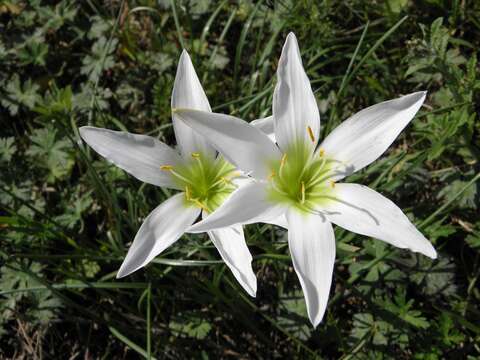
{"x": 67, "y": 217}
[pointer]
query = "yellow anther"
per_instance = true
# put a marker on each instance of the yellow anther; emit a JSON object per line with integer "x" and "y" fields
{"x": 195, "y": 155}
{"x": 272, "y": 175}
{"x": 303, "y": 192}
{"x": 310, "y": 133}
{"x": 188, "y": 195}
{"x": 332, "y": 184}
{"x": 166, "y": 167}
{"x": 321, "y": 152}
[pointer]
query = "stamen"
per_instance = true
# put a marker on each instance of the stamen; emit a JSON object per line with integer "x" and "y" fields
{"x": 271, "y": 176}
{"x": 282, "y": 163}
{"x": 232, "y": 173}
{"x": 324, "y": 160}
{"x": 277, "y": 189}
{"x": 318, "y": 181}
{"x": 317, "y": 173}
{"x": 310, "y": 133}
{"x": 179, "y": 176}
{"x": 166, "y": 167}
{"x": 321, "y": 152}
{"x": 196, "y": 156}
{"x": 332, "y": 184}
{"x": 188, "y": 195}
{"x": 226, "y": 180}
{"x": 303, "y": 192}
{"x": 219, "y": 181}
{"x": 221, "y": 164}
{"x": 200, "y": 204}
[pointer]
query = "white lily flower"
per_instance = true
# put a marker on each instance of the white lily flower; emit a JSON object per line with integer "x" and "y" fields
{"x": 204, "y": 178}
{"x": 296, "y": 179}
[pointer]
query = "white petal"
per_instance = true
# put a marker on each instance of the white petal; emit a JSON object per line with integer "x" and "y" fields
{"x": 294, "y": 105}
{"x": 364, "y": 137}
{"x": 188, "y": 93}
{"x": 277, "y": 220}
{"x": 312, "y": 246}
{"x": 266, "y": 125}
{"x": 139, "y": 155}
{"x": 230, "y": 243}
{"x": 239, "y": 142}
{"x": 267, "y": 217}
{"x": 243, "y": 206}
{"x": 364, "y": 211}
{"x": 162, "y": 227}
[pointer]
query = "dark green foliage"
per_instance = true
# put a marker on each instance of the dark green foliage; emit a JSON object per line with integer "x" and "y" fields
{"x": 67, "y": 216}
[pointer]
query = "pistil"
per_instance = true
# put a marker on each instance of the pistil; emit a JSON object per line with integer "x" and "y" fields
{"x": 300, "y": 179}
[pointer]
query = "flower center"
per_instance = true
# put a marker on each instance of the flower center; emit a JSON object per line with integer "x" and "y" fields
{"x": 207, "y": 182}
{"x": 301, "y": 179}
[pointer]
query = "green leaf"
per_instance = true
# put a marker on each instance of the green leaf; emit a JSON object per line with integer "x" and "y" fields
{"x": 99, "y": 59}
{"x": 469, "y": 199}
{"x": 435, "y": 278}
{"x": 56, "y": 104}
{"x": 25, "y": 94}
{"x": 473, "y": 239}
{"x": 7, "y": 148}
{"x": 292, "y": 315}
{"x": 55, "y": 18}
{"x": 51, "y": 153}
{"x": 33, "y": 51}
{"x": 191, "y": 325}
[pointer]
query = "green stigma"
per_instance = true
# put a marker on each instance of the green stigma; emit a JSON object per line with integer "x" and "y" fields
{"x": 206, "y": 182}
{"x": 301, "y": 179}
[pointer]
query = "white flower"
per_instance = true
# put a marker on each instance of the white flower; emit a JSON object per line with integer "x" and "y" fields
{"x": 298, "y": 180}
{"x": 204, "y": 178}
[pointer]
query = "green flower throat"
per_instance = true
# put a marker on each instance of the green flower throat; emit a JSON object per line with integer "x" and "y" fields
{"x": 301, "y": 179}
{"x": 206, "y": 181}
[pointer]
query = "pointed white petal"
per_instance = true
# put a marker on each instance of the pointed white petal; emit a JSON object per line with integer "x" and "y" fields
{"x": 239, "y": 142}
{"x": 230, "y": 243}
{"x": 162, "y": 227}
{"x": 364, "y": 211}
{"x": 139, "y": 155}
{"x": 294, "y": 105}
{"x": 277, "y": 220}
{"x": 312, "y": 246}
{"x": 266, "y": 125}
{"x": 266, "y": 217}
{"x": 244, "y": 206}
{"x": 364, "y": 137}
{"x": 188, "y": 93}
